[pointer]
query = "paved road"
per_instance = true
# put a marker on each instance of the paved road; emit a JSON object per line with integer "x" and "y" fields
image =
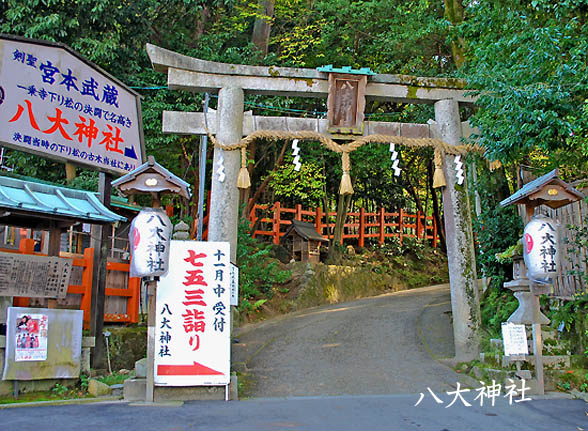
{"x": 369, "y": 346}
{"x": 373, "y": 413}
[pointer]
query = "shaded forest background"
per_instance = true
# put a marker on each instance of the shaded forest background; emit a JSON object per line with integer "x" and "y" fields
{"x": 526, "y": 60}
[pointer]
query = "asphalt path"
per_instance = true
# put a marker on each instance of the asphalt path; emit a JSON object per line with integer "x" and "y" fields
{"x": 345, "y": 355}
{"x": 377, "y": 345}
{"x": 367, "y": 412}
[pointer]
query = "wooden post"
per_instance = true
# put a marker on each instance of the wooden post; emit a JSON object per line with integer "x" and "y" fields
{"x": 434, "y": 233}
{"x": 400, "y": 224}
{"x": 151, "y": 318}
{"x": 252, "y": 216}
{"x": 253, "y": 219}
{"x": 87, "y": 274}
{"x": 361, "y": 241}
{"x": 419, "y": 225}
{"x": 276, "y": 226}
{"x": 100, "y": 246}
{"x": 133, "y": 301}
{"x": 27, "y": 246}
{"x": 537, "y": 342}
{"x": 54, "y": 246}
{"x": 298, "y": 214}
{"x": 536, "y": 327}
{"x": 318, "y": 220}
{"x": 382, "y": 226}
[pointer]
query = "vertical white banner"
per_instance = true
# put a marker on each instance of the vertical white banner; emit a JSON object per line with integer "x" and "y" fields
{"x": 193, "y": 327}
{"x": 234, "y": 285}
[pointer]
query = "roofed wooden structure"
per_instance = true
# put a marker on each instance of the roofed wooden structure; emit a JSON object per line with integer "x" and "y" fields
{"x": 152, "y": 178}
{"x": 547, "y": 190}
{"x": 303, "y": 241}
{"x": 42, "y": 206}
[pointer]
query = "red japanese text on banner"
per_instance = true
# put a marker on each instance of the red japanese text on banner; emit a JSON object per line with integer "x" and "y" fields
{"x": 193, "y": 328}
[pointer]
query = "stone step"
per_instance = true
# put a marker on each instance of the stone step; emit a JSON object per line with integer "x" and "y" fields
{"x": 134, "y": 389}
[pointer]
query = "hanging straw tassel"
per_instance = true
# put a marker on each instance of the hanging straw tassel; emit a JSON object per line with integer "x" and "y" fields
{"x": 243, "y": 180}
{"x": 438, "y": 176}
{"x": 495, "y": 165}
{"x": 345, "y": 188}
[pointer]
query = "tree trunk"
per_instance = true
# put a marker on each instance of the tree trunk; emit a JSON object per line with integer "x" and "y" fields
{"x": 263, "y": 185}
{"x": 70, "y": 172}
{"x": 415, "y": 196}
{"x": 201, "y": 23}
{"x": 454, "y": 14}
{"x": 342, "y": 206}
{"x": 263, "y": 25}
{"x": 336, "y": 241}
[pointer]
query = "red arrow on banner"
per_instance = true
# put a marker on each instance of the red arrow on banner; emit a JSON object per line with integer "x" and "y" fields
{"x": 186, "y": 370}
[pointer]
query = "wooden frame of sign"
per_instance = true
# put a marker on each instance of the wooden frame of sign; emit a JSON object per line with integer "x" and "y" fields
{"x": 346, "y": 103}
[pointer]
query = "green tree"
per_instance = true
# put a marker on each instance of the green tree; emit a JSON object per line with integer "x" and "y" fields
{"x": 527, "y": 62}
{"x": 305, "y": 186}
{"x": 390, "y": 36}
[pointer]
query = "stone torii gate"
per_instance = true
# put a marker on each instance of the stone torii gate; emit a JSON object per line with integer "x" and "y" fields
{"x": 229, "y": 123}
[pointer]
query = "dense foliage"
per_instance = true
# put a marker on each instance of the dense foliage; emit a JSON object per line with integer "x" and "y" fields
{"x": 386, "y": 35}
{"x": 528, "y": 61}
{"x": 496, "y": 228}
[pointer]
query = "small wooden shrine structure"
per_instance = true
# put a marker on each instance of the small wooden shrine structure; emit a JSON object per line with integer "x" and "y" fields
{"x": 303, "y": 242}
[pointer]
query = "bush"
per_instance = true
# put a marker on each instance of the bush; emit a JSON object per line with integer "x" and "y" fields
{"x": 496, "y": 307}
{"x": 258, "y": 271}
{"x": 496, "y": 230}
{"x": 410, "y": 246}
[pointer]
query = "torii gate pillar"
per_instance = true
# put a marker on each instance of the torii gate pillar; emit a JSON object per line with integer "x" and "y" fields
{"x": 224, "y": 198}
{"x": 465, "y": 302}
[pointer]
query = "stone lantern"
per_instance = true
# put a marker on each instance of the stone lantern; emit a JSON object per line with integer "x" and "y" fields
{"x": 547, "y": 190}
{"x": 152, "y": 178}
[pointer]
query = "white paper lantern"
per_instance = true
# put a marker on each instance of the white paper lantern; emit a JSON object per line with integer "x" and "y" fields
{"x": 149, "y": 239}
{"x": 541, "y": 249}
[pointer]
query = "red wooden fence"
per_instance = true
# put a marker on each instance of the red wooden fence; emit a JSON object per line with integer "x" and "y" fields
{"x": 359, "y": 225}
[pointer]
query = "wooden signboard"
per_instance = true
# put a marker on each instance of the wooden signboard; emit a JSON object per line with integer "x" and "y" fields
{"x": 56, "y": 104}
{"x": 34, "y": 276}
{"x": 346, "y": 103}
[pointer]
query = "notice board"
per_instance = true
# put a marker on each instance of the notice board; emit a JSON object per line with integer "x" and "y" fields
{"x": 55, "y": 354}
{"x": 34, "y": 276}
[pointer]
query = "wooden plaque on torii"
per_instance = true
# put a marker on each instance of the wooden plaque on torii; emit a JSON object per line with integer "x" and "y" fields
{"x": 346, "y": 103}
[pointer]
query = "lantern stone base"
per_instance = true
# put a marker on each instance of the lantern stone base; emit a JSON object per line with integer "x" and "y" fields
{"x": 134, "y": 390}
{"x": 524, "y": 313}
